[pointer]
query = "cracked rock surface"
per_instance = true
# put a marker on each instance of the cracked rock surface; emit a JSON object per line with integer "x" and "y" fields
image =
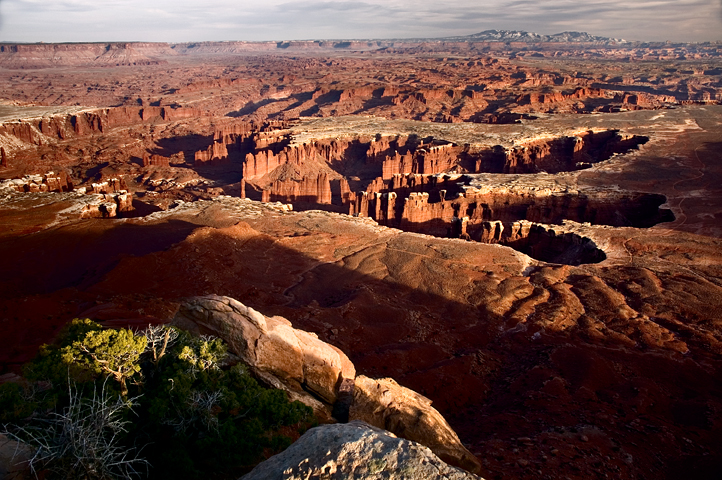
{"x": 357, "y": 451}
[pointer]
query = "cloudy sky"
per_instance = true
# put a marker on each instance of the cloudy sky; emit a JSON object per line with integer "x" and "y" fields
{"x": 185, "y": 20}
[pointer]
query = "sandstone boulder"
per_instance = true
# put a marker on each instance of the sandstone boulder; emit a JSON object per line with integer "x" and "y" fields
{"x": 286, "y": 358}
{"x": 322, "y": 376}
{"x": 385, "y": 404}
{"x": 355, "y": 451}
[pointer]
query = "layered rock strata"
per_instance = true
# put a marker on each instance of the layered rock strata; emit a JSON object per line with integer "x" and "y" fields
{"x": 386, "y": 156}
{"x": 313, "y": 372}
{"x": 19, "y": 134}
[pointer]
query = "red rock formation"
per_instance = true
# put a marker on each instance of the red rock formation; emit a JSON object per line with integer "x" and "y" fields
{"x": 113, "y": 185}
{"x": 155, "y": 160}
{"x": 435, "y": 205}
{"x": 646, "y": 100}
{"x": 256, "y": 165}
{"x": 353, "y": 93}
{"x": 58, "y": 182}
{"x": 76, "y": 54}
{"x": 398, "y": 164}
{"x": 229, "y": 133}
{"x": 49, "y": 182}
{"x": 217, "y": 83}
{"x": 3, "y": 157}
{"x": 23, "y": 131}
{"x": 308, "y": 190}
{"x": 414, "y": 157}
{"x": 217, "y": 153}
{"x": 175, "y": 114}
{"x": 558, "y": 97}
{"x": 225, "y": 139}
{"x": 108, "y": 205}
{"x": 64, "y": 127}
{"x": 151, "y": 113}
{"x": 119, "y": 116}
{"x": 345, "y": 192}
{"x": 265, "y": 161}
{"x": 568, "y": 153}
{"x": 381, "y": 147}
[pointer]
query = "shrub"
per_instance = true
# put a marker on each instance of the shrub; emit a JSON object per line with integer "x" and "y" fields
{"x": 193, "y": 417}
{"x": 84, "y": 441}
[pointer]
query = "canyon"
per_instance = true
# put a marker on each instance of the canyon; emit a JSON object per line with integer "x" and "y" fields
{"x": 526, "y": 231}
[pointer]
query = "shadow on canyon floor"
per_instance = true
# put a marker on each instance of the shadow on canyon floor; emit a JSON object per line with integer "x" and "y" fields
{"x": 434, "y": 318}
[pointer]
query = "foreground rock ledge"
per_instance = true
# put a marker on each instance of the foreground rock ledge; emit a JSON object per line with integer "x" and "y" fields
{"x": 355, "y": 450}
{"x": 286, "y": 358}
{"x": 314, "y": 372}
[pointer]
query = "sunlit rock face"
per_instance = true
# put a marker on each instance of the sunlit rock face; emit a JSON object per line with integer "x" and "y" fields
{"x": 356, "y": 450}
{"x": 524, "y": 231}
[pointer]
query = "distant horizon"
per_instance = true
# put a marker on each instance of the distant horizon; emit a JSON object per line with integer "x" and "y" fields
{"x": 181, "y": 21}
{"x": 389, "y": 39}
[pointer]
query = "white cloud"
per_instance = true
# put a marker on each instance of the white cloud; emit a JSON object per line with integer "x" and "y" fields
{"x": 182, "y": 20}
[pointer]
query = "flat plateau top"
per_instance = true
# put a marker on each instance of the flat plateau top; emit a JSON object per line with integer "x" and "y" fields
{"x": 10, "y": 112}
{"x": 476, "y": 134}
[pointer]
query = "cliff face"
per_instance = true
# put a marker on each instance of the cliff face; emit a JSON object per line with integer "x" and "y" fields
{"x": 85, "y": 54}
{"x": 387, "y": 156}
{"x": 431, "y": 204}
{"x": 410, "y": 181}
{"x": 542, "y": 99}
{"x": 40, "y": 131}
{"x": 217, "y": 153}
{"x": 155, "y": 160}
{"x": 309, "y": 190}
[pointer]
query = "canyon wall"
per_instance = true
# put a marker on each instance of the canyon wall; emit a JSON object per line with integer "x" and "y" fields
{"x": 309, "y": 190}
{"x": 40, "y": 131}
{"x": 42, "y": 55}
{"x": 412, "y": 183}
{"x": 387, "y": 156}
{"x": 416, "y": 203}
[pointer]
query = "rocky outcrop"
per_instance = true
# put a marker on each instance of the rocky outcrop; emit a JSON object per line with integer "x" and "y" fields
{"x": 320, "y": 375}
{"x": 216, "y": 153}
{"x": 263, "y": 161}
{"x": 355, "y": 451}
{"x": 543, "y": 242}
{"x": 227, "y": 140}
{"x": 569, "y": 153}
{"x": 41, "y": 131}
{"x": 559, "y": 97}
{"x": 112, "y": 185}
{"x": 309, "y": 190}
{"x": 430, "y": 203}
{"x": 385, "y": 404}
{"x": 293, "y": 360}
{"x": 423, "y": 160}
{"x": 108, "y": 205}
{"x": 155, "y": 160}
{"x": 49, "y": 182}
{"x": 393, "y": 159}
